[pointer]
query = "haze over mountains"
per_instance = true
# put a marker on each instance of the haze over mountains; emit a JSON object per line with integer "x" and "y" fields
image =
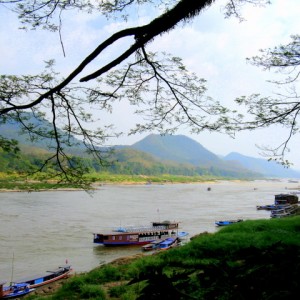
{"x": 178, "y": 151}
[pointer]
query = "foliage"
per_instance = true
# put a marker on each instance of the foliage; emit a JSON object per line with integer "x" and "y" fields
{"x": 157, "y": 85}
{"x": 248, "y": 260}
{"x": 21, "y": 172}
{"x": 281, "y": 109}
{"x": 9, "y": 145}
{"x": 77, "y": 288}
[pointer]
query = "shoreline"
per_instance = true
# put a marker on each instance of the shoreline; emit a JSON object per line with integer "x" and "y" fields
{"x": 97, "y": 186}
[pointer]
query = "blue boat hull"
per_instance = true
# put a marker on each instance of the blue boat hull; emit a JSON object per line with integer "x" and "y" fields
{"x": 225, "y": 223}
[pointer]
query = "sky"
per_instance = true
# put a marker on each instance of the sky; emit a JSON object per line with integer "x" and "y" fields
{"x": 213, "y": 47}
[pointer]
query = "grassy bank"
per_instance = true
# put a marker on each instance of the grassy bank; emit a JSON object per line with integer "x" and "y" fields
{"x": 248, "y": 260}
{"x": 17, "y": 182}
{"x": 142, "y": 179}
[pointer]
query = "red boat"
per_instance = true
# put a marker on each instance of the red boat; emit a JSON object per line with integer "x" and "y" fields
{"x": 140, "y": 235}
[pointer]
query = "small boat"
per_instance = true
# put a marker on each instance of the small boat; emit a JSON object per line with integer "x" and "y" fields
{"x": 182, "y": 234}
{"x": 280, "y": 201}
{"x": 267, "y": 207}
{"x": 155, "y": 245}
{"x": 152, "y": 246}
{"x": 49, "y": 277}
{"x": 15, "y": 290}
{"x": 168, "y": 243}
{"x": 286, "y": 211}
{"x": 227, "y": 222}
{"x": 137, "y": 235}
{"x": 270, "y": 206}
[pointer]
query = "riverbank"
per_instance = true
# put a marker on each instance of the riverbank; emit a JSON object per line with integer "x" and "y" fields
{"x": 15, "y": 183}
{"x": 52, "y": 288}
{"x": 253, "y": 253}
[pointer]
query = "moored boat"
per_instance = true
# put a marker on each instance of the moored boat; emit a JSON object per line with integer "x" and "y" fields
{"x": 141, "y": 235}
{"x": 286, "y": 211}
{"x": 286, "y": 199}
{"x": 156, "y": 245}
{"x": 227, "y": 222}
{"x": 284, "y": 205}
{"x": 182, "y": 234}
{"x": 15, "y": 290}
{"x": 168, "y": 243}
{"x": 266, "y": 207}
{"x": 50, "y": 276}
{"x": 152, "y": 246}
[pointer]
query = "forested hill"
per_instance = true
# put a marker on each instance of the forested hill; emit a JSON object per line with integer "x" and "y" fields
{"x": 153, "y": 155}
{"x": 182, "y": 149}
{"x": 177, "y": 148}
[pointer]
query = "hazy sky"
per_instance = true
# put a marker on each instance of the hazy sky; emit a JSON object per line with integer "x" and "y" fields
{"x": 212, "y": 46}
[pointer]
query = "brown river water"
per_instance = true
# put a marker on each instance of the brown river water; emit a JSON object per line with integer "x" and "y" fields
{"x": 41, "y": 230}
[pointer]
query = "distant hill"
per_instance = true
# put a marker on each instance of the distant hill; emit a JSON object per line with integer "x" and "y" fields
{"x": 12, "y": 130}
{"x": 177, "y": 148}
{"x": 173, "y": 154}
{"x": 260, "y": 165}
{"x": 184, "y": 150}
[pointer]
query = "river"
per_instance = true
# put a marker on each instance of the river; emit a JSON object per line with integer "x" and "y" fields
{"x": 41, "y": 230}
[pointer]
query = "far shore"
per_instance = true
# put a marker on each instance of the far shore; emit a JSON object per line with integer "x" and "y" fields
{"x": 35, "y": 186}
{"x": 98, "y": 185}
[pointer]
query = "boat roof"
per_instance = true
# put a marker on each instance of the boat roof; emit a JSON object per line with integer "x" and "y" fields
{"x": 143, "y": 228}
{"x": 168, "y": 240}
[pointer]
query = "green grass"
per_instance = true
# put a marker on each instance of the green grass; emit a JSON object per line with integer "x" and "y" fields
{"x": 165, "y": 178}
{"x": 249, "y": 260}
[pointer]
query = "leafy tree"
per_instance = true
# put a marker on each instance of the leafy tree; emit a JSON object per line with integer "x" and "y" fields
{"x": 284, "y": 107}
{"x": 157, "y": 84}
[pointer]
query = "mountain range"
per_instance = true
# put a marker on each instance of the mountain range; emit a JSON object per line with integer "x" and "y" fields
{"x": 183, "y": 149}
{"x": 177, "y": 151}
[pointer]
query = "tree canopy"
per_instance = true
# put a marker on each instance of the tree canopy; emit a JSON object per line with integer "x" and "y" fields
{"x": 284, "y": 107}
{"x": 158, "y": 85}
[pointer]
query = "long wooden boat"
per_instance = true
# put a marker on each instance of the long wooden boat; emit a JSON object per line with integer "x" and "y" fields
{"x": 270, "y": 206}
{"x": 15, "y": 290}
{"x": 140, "y": 235}
{"x": 267, "y": 207}
{"x": 157, "y": 244}
{"x": 49, "y": 277}
{"x": 227, "y": 222}
{"x": 168, "y": 243}
{"x": 152, "y": 246}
